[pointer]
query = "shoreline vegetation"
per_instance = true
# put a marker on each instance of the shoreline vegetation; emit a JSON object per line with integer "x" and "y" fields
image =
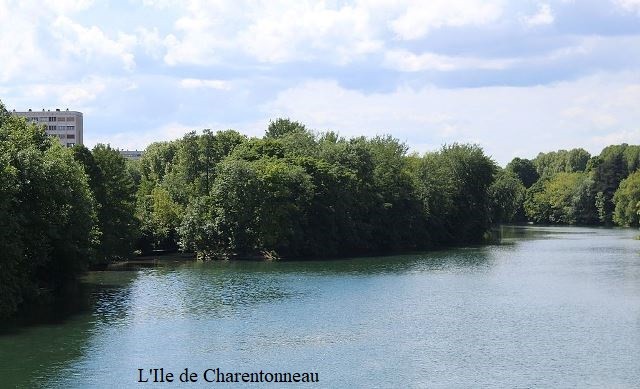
{"x": 291, "y": 194}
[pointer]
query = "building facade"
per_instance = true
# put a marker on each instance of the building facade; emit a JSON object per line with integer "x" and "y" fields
{"x": 132, "y": 154}
{"x": 66, "y": 125}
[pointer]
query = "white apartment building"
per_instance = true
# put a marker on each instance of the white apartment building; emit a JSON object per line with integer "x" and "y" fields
{"x": 132, "y": 154}
{"x": 64, "y": 125}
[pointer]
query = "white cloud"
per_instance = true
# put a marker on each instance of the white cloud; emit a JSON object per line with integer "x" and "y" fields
{"x": 200, "y": 34}
{"x": 333, "y": 32}
{"x": 323, "y": 104}
{"x": 501, "y": 119}
{"x": 66, "y": 6}
{"x": 409, "y": 62}
{"x": 81, "y": 94}
{"x": 543, "y": 17}
{"x": 629, "y": 5}
{"x": 19, "y": 48}
{"x": 420, "y": 17}
{"x": 140, "y": 140}
{"x": 271, "y": 31}
{"x": 194, "y": 83}
{"x": 304, "y": 30}
{"x": 150, "y": 42}
{"x": 52, "y": 55}
{"x": 91, "y": 43}
{"x": 160, "y": 4}
{"x": 631, "y": 136}
{"x": 78, "y": 95}
{"x": 41, "y": 41}
{"x": 596, "y": 118}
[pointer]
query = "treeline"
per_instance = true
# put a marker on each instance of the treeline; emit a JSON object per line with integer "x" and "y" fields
{"x": 292, "y": 193}
{"x": 60, "y": 210}
{"x": 297, "y": 194}
{"x": 46, "y": 214}
{"x": 573, "y": 187}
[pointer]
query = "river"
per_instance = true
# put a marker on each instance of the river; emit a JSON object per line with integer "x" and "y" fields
{"x": 548, "y": 307}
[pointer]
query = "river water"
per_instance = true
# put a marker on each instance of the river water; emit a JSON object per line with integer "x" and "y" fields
{"x": 548, "y": 307}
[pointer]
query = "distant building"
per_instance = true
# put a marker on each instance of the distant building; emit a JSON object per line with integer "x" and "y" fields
{"x": 132, "y": 154}
{"x": 64, "y": 125}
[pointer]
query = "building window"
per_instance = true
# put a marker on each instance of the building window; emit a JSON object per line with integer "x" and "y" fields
{"x": 52, "y": 118}
{"x": 52, "y": 128}
{"x": 71, "y": 136}
{"x": 71, "y": 119}
{"x": 70, "y": 144}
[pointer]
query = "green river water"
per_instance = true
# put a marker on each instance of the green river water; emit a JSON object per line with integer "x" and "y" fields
{"x": 548, "y": 307}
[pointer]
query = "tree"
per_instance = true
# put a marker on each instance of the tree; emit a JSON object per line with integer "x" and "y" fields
{"x": 227, "y": 221}
{"x": 46, "y": 214}
{"x": 561, "y": 161}
{"x": 213, "y": 149}
{"x": 330, "y": 229}
{"x": 282, "y": 212}
{"x": 525, "y": 170}
{"x": 610, "y": 169}
{"x": 507, "y": 196}
{"x": 188, "y": 168}
{"x": 396, "y": 212}
{"x": 473, "y": 173}
{"x": 584, "y": 201}
{"x": 453, "y": 185}
{"x": 157, "y": 161}
{"x": 281, "y": 127}
{"x": 560, "y": 199}
{"x": 116, "y": 198}
{"x": 576, "y": 160}
{"x": 198, "y": 232}
{"x": 627, "y": 201}
{"x": 160, "y": 218}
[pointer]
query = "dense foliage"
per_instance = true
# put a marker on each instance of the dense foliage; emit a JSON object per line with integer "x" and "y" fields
{"x": 292, "y": 193}
{"x": 47, "y": 214}
{"x": 627, "y": 201}
{"x": 113, "y": 190}
{"x": 61, "y": 210}
{"x": 576, "y": 188}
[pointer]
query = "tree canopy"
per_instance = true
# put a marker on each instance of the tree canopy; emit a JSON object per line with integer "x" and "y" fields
{"x": 292, "y": 193}
{"x": 47, "y": 214}
{"x": 627, "y": 201}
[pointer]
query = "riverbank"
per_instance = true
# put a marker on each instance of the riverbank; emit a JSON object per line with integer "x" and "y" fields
{"x": 146, "y": 261}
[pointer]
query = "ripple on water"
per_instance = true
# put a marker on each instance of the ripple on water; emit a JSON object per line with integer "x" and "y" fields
{"x": 553, "y": 307}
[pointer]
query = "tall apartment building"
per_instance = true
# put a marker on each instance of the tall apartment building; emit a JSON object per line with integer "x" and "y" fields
{"x": 64, "y": 125}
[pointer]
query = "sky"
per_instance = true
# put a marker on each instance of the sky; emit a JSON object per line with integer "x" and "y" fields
{"x": 515, "y": 77}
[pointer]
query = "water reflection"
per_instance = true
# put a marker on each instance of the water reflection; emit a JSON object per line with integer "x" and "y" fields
{"x": 548, "y": 296}
{"x": 58, "y": 336}
{"x": 453, "y": 259}
{"x": 219, "y": 289}
{"x": 43, "y": 342}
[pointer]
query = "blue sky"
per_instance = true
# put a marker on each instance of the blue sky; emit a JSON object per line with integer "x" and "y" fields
{"x": 516, "y": 77}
